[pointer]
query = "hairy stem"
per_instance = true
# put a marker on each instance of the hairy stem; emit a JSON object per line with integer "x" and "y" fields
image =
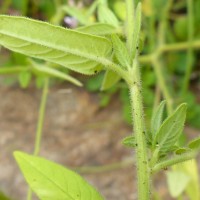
{"x": 139, "y": 130}
{"x": 174, "y": 161}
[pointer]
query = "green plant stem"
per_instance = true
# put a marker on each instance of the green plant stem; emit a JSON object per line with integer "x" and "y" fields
{"x": 11, "y": 70}
{"x": 163, "y": 86}
{"x": 116, "y": 68}
{"x": 181, "y": 46}
{"x": 139, "y": 132}
{"x": 151, "y": 36}
{"x": 105, "y": 168}
{"x": 190, "y": 46}
{"x": 40, "y": 125}
{"x": 174, "y": 161}
{"x": 41, "y": 117}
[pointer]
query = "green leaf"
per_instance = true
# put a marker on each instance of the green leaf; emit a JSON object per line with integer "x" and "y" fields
{"x": 77, "y": 51}
{"x": 98, "y": 29}
{"x": 120, "y": 51}
{"x": 181, "y": 150}
{"x": 110, "y": 79}
{"x": 171, "y": 129}
{"x": 51, "y": 181}
{"x": 137, "y": 27}
{"x": 157, "y": 118}
{"x": 130, "y": 16}
{"x": 120, "y": 9}
{"x": 177, "y": 187}
{"x": 24, "y": 79}
{"x": 53, "y": 72}
{"x": 129, "y": 141}
{"x": 194, "y": 144}
{"x": 105, "y": 15}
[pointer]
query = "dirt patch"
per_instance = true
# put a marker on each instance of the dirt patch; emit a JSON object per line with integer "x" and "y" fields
{"x": 77, "y": 133}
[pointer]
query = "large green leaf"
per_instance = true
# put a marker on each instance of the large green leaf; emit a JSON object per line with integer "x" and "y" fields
{"x": 77, "y": 51}
{"x": 171, "y": 129}
{"x": 51, "y": 181}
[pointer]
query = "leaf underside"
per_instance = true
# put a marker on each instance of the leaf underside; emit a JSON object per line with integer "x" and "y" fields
{"x": 171, "y": 129}
{"x": 51, "y": 181}
{"x": 157, "y": 118}
{"x": 110, "y": 79}
{"x": 77, "y": 51}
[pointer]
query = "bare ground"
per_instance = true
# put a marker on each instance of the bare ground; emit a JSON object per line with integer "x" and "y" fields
{"x": 76, "y": 133}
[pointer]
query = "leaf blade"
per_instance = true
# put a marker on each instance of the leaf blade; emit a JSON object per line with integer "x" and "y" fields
{"x": 106, "y": 15}
{"x": 110, "y": 79}
{"x": 120, "y": 51}
{"x": 50, "y": 180}
{"x": 171, "y": 129}
{"x": 129, "y": 141}
{"x": 195, "y": 143}
{"x": 77, "y": 51}
{"x": 157, "y": 118}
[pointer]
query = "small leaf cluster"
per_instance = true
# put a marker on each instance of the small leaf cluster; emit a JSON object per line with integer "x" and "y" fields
{"x": 163, "y": 137}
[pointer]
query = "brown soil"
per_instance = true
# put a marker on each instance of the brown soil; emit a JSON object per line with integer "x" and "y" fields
{"x": 77, "y": 133}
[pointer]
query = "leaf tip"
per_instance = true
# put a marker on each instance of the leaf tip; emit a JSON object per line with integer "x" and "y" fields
{"x": 17, "y": 154}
